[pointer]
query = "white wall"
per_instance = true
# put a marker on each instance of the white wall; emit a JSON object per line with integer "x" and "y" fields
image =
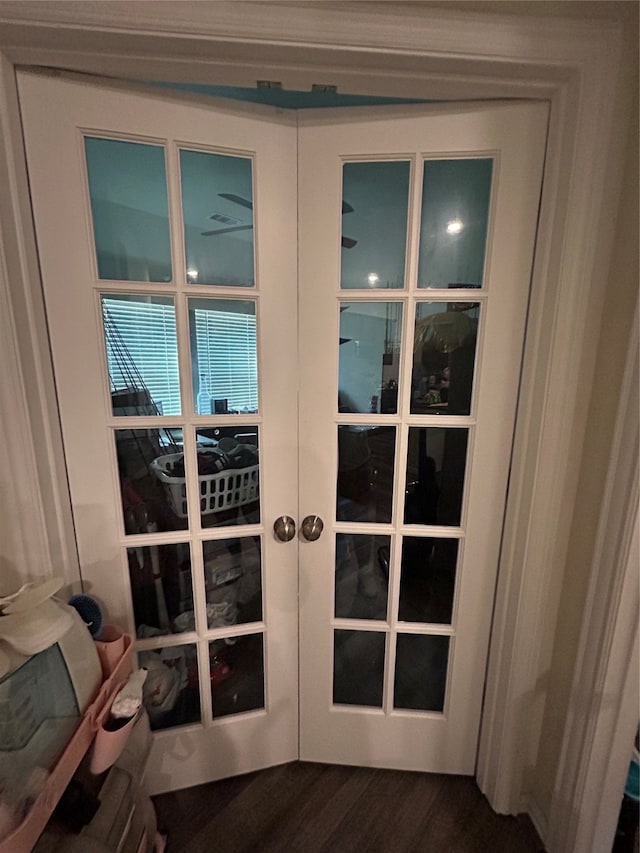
{"x": 612, "y": 346}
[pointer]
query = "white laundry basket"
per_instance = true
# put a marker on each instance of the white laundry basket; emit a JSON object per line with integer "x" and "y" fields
{"x": 223, "y": 490}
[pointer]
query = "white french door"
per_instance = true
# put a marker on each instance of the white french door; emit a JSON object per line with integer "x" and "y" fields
{"x": 174, "y": 357}
{"x": 409, "y": 365}
{"x": 198, "y": 406}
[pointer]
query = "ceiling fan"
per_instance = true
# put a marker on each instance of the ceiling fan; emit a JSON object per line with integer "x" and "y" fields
{"x": 347, "y": 242}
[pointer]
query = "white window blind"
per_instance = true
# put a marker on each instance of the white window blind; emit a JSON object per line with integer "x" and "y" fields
{"x": 226, "y": 360}
{"x": 142, "y": 354}
{"x": 142, "y": 349}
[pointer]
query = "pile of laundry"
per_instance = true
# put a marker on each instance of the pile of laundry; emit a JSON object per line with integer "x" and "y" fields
{"x": 228, "y": 454}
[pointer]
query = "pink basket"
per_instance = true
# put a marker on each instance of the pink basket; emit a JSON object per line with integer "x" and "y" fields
{"x": 24, "y": 837}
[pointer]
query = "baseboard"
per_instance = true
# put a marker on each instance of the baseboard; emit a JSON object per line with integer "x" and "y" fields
{"x": 538, "y": 818}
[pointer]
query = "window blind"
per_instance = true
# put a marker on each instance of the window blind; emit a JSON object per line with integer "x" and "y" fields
{"x": 142, "y": 353}
{"x": 226, "y": 359}
{"x": 142, "y": 348}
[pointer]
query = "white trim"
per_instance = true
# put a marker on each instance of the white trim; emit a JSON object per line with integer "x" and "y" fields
{"x": 537, "y": 815}
{"x": 511, "y": 57}
{"x": 547, "y": 452}
{"x": 24, "y": 545}
{"x": 603, "y": 715}
{"x": 41, "y": 514}
{"x": 418, "y": 51}
{"x": 451, "y": 33}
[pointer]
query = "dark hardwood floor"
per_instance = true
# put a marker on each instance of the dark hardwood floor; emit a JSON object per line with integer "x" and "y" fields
{"x": 316, "y": 808}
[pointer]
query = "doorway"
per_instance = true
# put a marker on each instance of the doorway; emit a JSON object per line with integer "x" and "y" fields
{"x": 406, "y": 470}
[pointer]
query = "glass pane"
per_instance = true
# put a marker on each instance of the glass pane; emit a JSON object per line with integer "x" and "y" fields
{"x": 128, "y": 189}
{"x": 362, "y": 576}
{"x": 427, "y": 579}
{"x": 366, "y": 457}
{"x": 444, "y": 355}
{"x": 455, "y": 215}
{"x": 217, "y": 203}
{"x": 436, "y": 464}
{"x": 375, "y": 200}
{"x": 152, "y": 500}
{"x": 224, "y": 363}
{"x": 358, "y": 667}
{"x": 229, "y": 474}
{"x": 233, "y": 581}
{"x": 171, "y": 688}
{"x": 142, "y": 354}
{"x": 421, "y": 672}
{"x": 39, "y": 714}
{"x": 369, "y": 356}
{"x": 161, "y": 589}
{"x": 237, "y": 674}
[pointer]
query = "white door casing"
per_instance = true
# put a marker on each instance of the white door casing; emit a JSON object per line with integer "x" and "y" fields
{"x": 517, "y": 165}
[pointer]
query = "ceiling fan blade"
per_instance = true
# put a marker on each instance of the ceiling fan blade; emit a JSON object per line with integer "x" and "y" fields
{"x": 348, "y": 243}
{"x": 346, "y": 207}
{"x": 244, "y": 202}
{"x": 225, "y": 230}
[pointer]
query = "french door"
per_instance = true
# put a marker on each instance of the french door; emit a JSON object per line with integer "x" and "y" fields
{"x": 174, "y": 356}
{"x": 253, "y": 327}
{"x": 409, "y": 366}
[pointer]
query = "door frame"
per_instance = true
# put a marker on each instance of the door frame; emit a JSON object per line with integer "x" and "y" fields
{"x": 580, "y": 67}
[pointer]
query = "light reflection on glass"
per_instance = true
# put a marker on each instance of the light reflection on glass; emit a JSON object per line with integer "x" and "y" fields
{"x": 224, "y": 358}
{"x": 421, "y": 672}
{"x": 217, "y": 201}
{"x": 171, "y": 693}
{"x": 454, "y": 223}
{"x": 361, "y": 576}
{"x": 436, "y": 463}
{"x": 444, "y": 356}
{"x": 130, "y": 210}
{"x": 161, "y": 589}
{"x": 358, "y": 668}
{"x": 375, "y": 197}
{"x": 142, "y": 353}
{"x": 154, "y": 497}
{"x": 366, "y": 457}
{"x": 233, "y": 581}
{"x": 237, "y": 674}
{"x": 427, "y": 579}
{"x": 369, "y": 357}
{"x": 229, "y": 475}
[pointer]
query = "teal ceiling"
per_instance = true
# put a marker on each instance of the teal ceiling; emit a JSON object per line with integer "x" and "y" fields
{"x": 288, "y": 100}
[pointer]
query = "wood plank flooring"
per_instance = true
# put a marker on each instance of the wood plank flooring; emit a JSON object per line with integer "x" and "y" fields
{"x": 317, "y": 808}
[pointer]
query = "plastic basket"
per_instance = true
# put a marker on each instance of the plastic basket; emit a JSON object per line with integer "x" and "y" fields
{"x": 226, "y": 489}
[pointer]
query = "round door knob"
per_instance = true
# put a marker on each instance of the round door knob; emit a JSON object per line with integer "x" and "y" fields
{"x": 312, "y": 527}
{"x": 284, "y": 528}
